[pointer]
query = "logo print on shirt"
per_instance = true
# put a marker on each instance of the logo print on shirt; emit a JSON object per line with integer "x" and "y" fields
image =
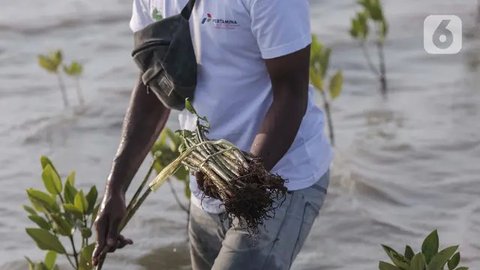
{"x": 219, "y": 23}
{"x": 156, "y": 15}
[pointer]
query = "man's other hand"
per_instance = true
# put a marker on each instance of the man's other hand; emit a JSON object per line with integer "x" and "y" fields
{"x": 111, "y": 213}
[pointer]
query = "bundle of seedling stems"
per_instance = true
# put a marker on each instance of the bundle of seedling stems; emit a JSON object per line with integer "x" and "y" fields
{"x": 248, "y": 192}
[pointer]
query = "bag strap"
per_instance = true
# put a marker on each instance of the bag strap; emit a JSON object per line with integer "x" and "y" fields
{"x": 187, "y": 10}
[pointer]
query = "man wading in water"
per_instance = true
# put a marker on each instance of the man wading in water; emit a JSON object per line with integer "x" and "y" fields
{"x": 253, "y": 86}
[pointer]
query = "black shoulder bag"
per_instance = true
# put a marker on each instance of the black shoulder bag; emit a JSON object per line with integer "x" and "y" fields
{"x": 164, "y": 52}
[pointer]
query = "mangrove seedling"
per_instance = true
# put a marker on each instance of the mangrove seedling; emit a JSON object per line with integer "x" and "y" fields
{"x": 63, "y": 214}
{"x": 371, "y": 18}
{"x": 49, "y": 263}
{"x": 51, "y": 63}
{"x": 428, "y": 258}
{"x": 319, "y": 64}
{"x": 247, "y": 190}
{"x": 75, "y": 70}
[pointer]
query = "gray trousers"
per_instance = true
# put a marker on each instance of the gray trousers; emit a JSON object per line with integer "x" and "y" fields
{"x": 217, "y": 244}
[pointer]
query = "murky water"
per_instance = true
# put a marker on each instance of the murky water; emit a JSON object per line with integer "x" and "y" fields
{"x": 403, "y": 167}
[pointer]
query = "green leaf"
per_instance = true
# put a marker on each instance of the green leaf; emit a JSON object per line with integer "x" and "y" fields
{"x": 74, "y": 69}
{"x": 418, "y": 262}
{"x": 56, "y": 57}
{"x": 315, "y": 50}
{"x": 50, "y": 259}
{"x": 387, "y": 266}
{"x": 409, "y": 253}
{"x": 71, "y": 178}
{"x": 40, "y": 221}
{"x": 162, "y": 139}
{"x": 189, "y": 107}
{"x": 316, "y": 80}
{"x": 91, "y": 199}
{"x": 376, "y": 12}
{"x": 72, "y": 209}
{"x": 51, "y": 180}
{"x": 80, "y": 202}
{"x": 336, "y": 84}
{"x": 325, "y": 61}
{"x": 47, "y": 64}
{"x": 359, "y": 26}
{"x": 45, "y": 240}
{"x": 69, "y": 191}
{"x": 366, "y": 4}
{"x": 454, "y": 261}
{"x": 181, "y": 174}
{"x": 42, "y": 201}
{"x": 41, "y": 266}
{"x": 62, "y": 226}
{"x": 441, "y": 258}
{"x": 46, "y": 161}
{"x": 396, "y": 258}
{"x": 85, "y": 262}
{"x": 462, "y": 268}
{"x": 174, "y": 138}
{"x": 354, "y": 33}
{"x": 430, "y": 246}
{"x": 30, "y": 210}
{"x": 86, "y": 232}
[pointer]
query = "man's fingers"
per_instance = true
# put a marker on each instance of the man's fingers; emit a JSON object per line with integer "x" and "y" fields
{"x": 112, "y": 235}
{"x": 101, "y": 256}
{"x": 122, "y": 241}
{"x": 101, "y": 228}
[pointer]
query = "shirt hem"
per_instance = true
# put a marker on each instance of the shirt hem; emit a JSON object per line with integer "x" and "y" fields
{"x": 286, "y": 48}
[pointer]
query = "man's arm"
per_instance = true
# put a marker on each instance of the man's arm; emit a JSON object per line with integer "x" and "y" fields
{"x": 290, "y": 78}
{"x": 145, "y": 118}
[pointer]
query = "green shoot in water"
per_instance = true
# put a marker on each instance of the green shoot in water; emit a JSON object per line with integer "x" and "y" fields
{"x": 75, "y": 70}
{"x": 319, "y": 64}
{"x": 370, "y": 16}
{"x": 51, "y": 63}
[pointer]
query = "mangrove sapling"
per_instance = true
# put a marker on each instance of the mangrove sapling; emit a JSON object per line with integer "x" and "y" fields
{"x": 247, "y": 190}
{"x": 63, "y": 214}
{"x": 75, "y": 70}
{"x": 319, "y": 64}
{"x": 372, "y": 15}
{"x": 51, "y": 62}
{"x": 428, "y": 258}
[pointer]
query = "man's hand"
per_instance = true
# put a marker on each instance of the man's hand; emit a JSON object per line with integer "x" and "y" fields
{"x": 112, "y": 212}
{"x": 289, "y": 76}
{"x": 146, "y": 116}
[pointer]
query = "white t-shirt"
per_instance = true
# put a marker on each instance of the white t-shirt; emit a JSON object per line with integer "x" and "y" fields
{"x": 231, "y": 40}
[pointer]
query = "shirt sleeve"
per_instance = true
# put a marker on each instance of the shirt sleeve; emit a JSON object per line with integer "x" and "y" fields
{"x": 280, "y": 26}
{"x": 140, "y": 15}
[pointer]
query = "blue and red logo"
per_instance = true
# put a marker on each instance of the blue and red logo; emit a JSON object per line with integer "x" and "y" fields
{"x": 219, "y": 23}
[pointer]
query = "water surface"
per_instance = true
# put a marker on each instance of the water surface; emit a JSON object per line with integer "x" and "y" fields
{"x": 403, "y": 167}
